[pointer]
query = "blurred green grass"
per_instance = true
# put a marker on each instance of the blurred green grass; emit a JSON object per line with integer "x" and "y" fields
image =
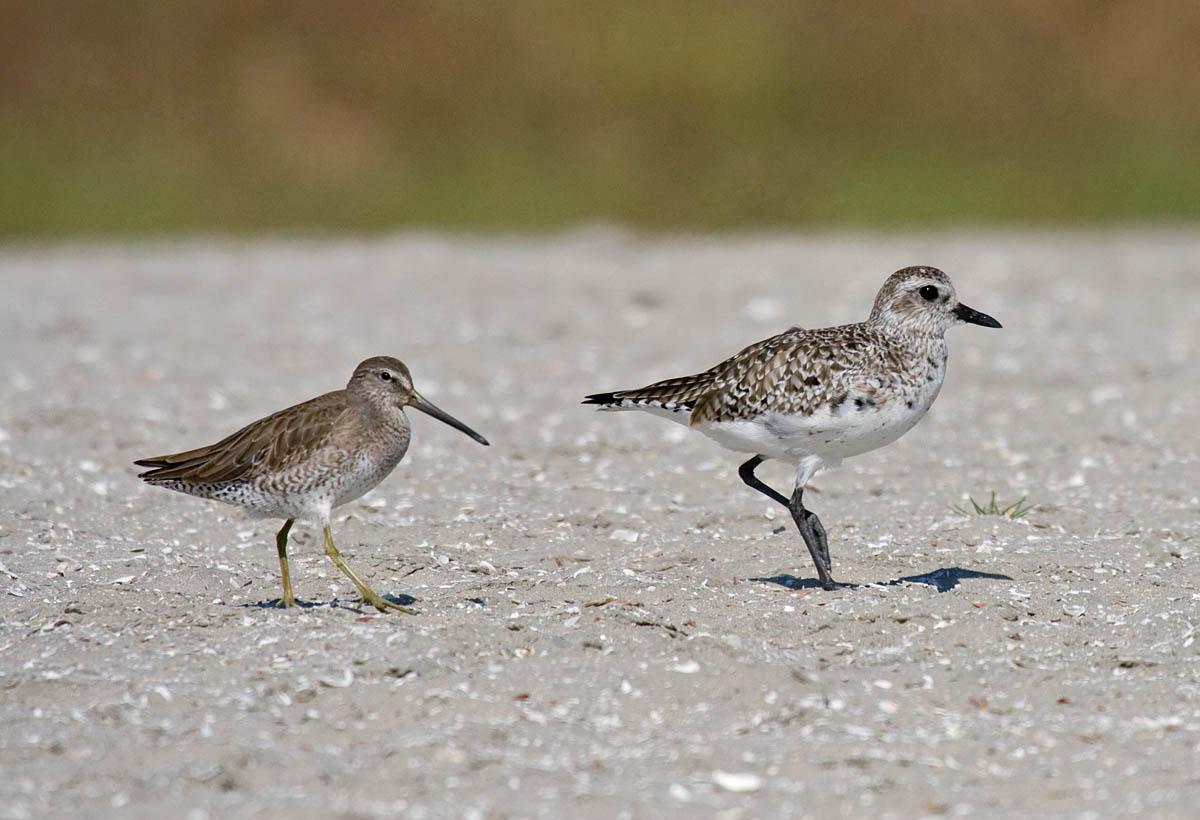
{"x": 146, "y": 117}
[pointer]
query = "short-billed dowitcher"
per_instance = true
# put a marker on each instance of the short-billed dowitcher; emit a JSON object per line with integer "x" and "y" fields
{"x": 302, "y": 462}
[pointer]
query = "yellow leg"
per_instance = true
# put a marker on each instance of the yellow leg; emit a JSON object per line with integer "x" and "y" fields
{"x": 369, "y": 597}
{"x": 288, "y": 599}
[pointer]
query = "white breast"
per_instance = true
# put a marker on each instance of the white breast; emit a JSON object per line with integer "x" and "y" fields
{"x": 854, "y": 427}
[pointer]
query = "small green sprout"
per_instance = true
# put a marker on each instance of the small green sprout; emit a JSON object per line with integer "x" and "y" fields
{"x": 1014, "y": 510}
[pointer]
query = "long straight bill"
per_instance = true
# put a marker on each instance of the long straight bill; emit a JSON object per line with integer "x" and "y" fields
{"x": 425, "y": 406}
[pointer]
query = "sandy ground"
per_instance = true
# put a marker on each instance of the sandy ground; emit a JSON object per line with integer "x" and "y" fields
{"x": 611, "y": 624}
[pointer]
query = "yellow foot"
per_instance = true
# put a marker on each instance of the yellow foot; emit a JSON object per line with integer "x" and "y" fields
{"x": 283, "y": 603}
{"x": 383, "y": 604}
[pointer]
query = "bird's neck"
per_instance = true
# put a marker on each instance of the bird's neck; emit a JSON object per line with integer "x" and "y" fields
{"x": 906, "y": 332}
{"x": 388, "y": 417}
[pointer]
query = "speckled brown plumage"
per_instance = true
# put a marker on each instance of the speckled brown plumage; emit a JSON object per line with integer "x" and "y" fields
{"x": 795, "y": 372}
{"x": 799, "y": 371}
{"x": 263, "y": 447}
{"x": 304, "y": 461}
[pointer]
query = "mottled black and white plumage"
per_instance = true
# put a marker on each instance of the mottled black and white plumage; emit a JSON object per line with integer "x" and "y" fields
{"x": 814, "y": 397}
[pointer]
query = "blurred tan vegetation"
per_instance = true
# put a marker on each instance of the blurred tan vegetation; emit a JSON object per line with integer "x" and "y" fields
{"x": 150, "y": 116}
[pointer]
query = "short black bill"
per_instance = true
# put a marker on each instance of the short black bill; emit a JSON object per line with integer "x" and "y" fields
{"x": 975, "y": 317}
{"x": 425, "y": 406}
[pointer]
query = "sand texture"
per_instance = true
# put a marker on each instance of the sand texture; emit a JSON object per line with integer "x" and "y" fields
{"x": 610, "y": 623}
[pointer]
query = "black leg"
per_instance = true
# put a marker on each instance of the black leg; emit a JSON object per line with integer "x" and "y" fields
{"x": 809, "y": 525}
{"x": 746, "y": 471}
{"x": 822, "y": 540}
{"x": 814, "y": 538}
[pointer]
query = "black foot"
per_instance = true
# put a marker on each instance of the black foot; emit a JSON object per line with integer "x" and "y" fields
{"x": 809, "y": 525}
{"x": 814, "y": 538}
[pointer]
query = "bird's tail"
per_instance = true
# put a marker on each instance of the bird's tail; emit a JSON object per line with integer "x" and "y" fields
{"x": 674, "y": 396}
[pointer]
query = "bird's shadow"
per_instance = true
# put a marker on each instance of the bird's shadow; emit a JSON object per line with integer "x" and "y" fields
{"x": 943, "y": 580}
{"x": 352, "y": 604}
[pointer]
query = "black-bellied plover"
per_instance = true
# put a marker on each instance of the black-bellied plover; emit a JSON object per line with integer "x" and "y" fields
{"x": 814, "y": 397}
{"x": 304, "y": 461}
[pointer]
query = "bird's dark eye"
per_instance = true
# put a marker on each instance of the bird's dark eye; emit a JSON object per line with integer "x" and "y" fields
{"x": 929, "y": 293}
{"x": 386, "y": 376}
